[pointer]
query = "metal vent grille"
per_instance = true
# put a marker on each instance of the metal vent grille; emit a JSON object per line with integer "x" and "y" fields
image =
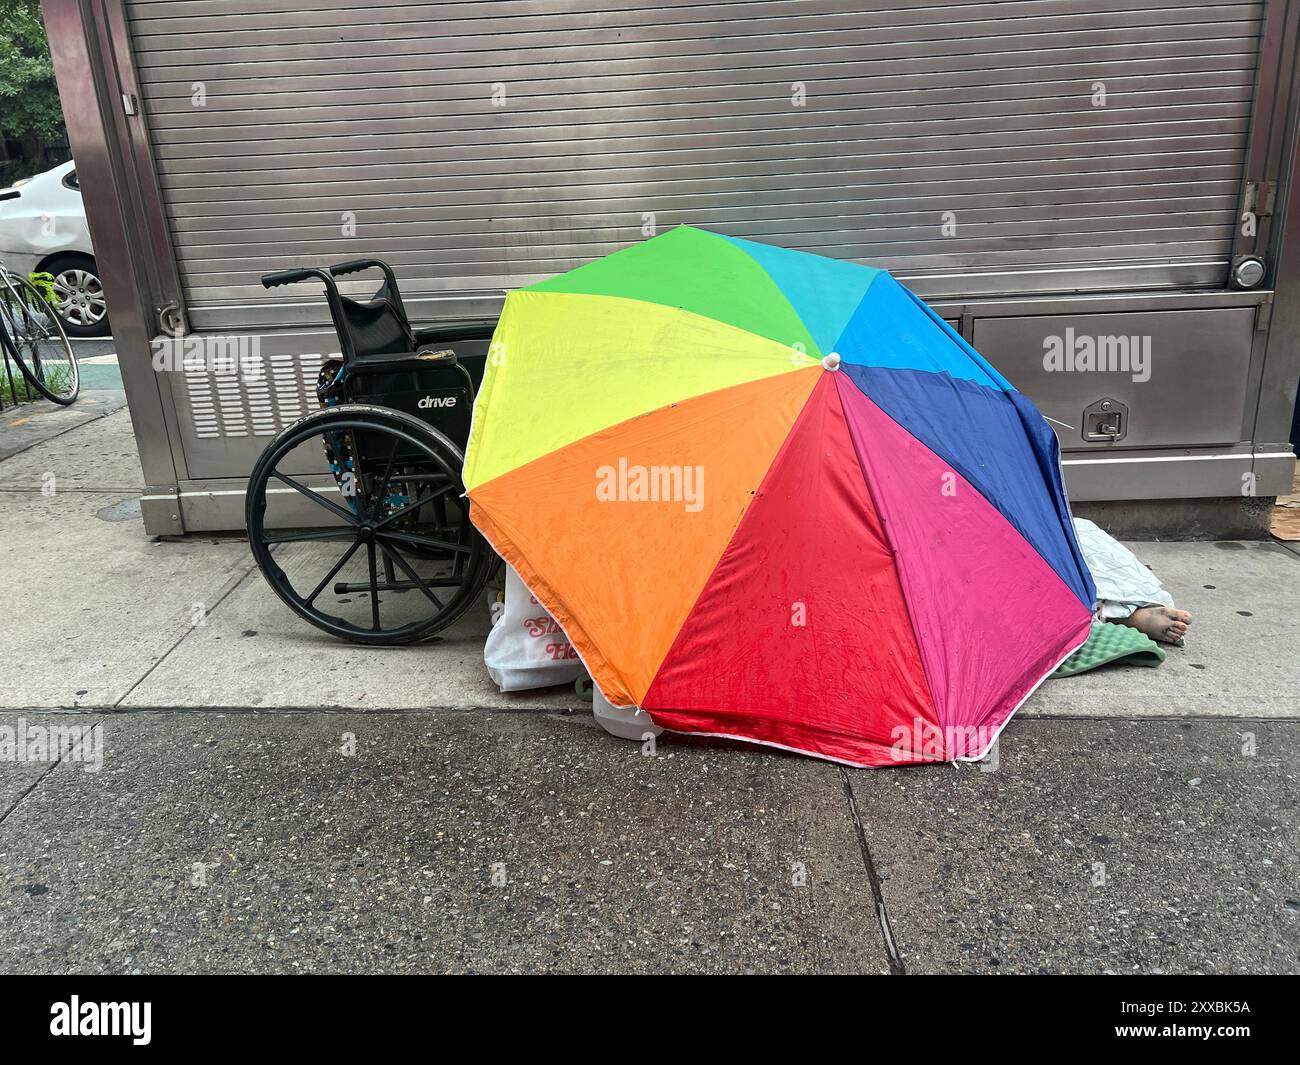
{"x": 257, "y": 399}
{"x": 959, "y": 144}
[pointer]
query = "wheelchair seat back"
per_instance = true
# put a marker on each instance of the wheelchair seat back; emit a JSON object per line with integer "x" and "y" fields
{"x": 411, "y": 378}
{"x": 376, "y": 327}
{"x": 385, "y": 363}
{"x": 437, "y": 394}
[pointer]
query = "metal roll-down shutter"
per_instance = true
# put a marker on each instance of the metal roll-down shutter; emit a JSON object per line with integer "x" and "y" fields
{"x": 958, "y": 145}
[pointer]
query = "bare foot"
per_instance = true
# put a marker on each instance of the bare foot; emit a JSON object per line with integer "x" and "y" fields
{"x": 1162, "y": 623}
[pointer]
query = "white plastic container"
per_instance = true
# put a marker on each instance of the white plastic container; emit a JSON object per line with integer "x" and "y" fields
{"x": 625, "y": 722}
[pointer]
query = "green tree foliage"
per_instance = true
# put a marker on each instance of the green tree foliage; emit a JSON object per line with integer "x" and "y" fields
{"x": 29, "y": 100}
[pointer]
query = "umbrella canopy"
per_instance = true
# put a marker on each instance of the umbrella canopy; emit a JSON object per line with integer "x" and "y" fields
{"x": 773, "y": 496}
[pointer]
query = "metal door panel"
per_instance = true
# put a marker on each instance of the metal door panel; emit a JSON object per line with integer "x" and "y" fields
{"x": 1194, "y": 390}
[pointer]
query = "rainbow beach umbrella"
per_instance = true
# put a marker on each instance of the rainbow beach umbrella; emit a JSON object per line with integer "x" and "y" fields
{"x": 774, "y": 497}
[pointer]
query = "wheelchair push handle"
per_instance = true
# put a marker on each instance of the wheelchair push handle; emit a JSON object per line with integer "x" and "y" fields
{"x": 354, "y": 266}
{"x": 293, "y": 277}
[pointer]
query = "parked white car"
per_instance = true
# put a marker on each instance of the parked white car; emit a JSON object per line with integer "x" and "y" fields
{"x": 43, "y": 228}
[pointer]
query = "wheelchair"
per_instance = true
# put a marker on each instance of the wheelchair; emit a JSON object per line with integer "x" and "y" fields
{"x": 387, "y": 532}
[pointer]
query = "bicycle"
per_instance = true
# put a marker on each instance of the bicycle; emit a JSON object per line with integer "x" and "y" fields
{"x": 32, "y": 336}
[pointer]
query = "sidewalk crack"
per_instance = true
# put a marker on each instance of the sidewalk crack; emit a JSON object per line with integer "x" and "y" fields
{"x": 30, "y": 788}
{"x": 62, "y": 432}
{"x": 225, "y": 591}
{"x": 896, "y": 966}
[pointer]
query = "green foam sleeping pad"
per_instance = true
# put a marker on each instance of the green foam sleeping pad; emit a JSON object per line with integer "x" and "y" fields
{"x": 1108, "y": 642}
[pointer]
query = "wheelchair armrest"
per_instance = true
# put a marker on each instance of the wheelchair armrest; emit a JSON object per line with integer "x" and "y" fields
{"x": 445, "y": 332}
{"x": 406, "y": 360}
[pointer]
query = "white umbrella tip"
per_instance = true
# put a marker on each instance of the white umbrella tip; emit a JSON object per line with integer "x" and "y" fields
{"x": 831, "y": 361}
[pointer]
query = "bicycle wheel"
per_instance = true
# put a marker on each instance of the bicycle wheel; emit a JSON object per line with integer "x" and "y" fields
{"x": 36, "y": 341}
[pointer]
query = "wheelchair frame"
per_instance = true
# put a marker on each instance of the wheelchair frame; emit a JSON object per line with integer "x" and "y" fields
{"x": 393, "y": 423}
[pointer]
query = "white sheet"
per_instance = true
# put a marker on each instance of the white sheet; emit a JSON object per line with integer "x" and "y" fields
{"x": 1123, "y": 583}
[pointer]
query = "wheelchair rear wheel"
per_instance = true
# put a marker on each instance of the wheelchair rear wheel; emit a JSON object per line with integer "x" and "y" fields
{"x": 383, "y": 554}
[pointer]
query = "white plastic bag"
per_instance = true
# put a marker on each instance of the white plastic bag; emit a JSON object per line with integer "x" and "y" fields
{"x": 526, "y": 647}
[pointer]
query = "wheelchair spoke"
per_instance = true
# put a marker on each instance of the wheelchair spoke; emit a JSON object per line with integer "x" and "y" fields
{"x": 383, "y": 481}
{"x": 374, "y": 588}
{"x": 448, "y": 487}
{"x": 316, "y": 497}
{"x": 429, "y": 542}
{"x": 308, "y": 537}
{"x": 408, "y": 513}
{"x": 392, "y": 553}
{"x": 333, "y": 573}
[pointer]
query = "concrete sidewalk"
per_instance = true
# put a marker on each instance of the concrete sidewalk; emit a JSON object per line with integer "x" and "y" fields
{"x": 271, "y": 800}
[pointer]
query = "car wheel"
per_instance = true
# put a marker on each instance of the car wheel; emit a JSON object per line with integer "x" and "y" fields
{"x": 78, "y": 295}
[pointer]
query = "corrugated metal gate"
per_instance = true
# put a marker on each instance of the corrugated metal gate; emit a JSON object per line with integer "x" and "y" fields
{"x": 479, "y": 146}
{"x": 1036, "y": 169}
